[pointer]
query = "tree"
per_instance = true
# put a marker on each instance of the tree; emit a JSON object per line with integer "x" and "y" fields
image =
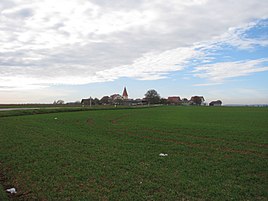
{"x": 152, "y": 97}
{"x": 163, "y": 101}
{"x": 104, "y": 100}
{"x": 96, "y": 101}
{"x": 58, "y": 102}
{"x": 118, "y": 101}
{"x": 197, "y": 100}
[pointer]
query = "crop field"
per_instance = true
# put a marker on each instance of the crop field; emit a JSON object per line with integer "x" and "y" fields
{"x": 213, "y": 153}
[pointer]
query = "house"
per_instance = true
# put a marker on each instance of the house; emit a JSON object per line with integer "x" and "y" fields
{"x": 185, "y": 101}
{"x": 116, "y": 97}
{"x": 215, "y": 103}
{"x": 174, "y": 100}
{"x": 86, "y": 101}
{"x": 138, "y": 102}
{"x": 197, "y": 100}
{"x": 104, "y": 100}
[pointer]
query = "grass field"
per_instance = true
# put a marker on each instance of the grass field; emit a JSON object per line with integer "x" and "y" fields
{"x": 214, "y": 153}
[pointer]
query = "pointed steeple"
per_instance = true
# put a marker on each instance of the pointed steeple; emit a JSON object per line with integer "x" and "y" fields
{"x": 125, "y": 95}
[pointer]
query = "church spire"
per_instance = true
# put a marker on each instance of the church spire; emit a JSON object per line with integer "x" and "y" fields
{"x": 125, "y": 95}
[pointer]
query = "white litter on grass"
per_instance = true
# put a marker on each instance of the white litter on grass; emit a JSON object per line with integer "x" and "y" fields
{"x": 161, "y": 154}
{"x": 11, "y": 190}
{"x": 55, "y": 118}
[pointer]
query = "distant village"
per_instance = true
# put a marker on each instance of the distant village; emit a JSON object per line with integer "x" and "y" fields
{"x": 151, "y": 97}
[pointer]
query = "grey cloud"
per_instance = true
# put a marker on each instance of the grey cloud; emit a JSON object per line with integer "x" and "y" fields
{"x": 5, "y": 4}
{"x": 119, "y": 4}
{"x": 21, "y": 13}
{"x": 173, "y": 26}
{"x": 58, "y": 25}
{"x": 26, "y": 12}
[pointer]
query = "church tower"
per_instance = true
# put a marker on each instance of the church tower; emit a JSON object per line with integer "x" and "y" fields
{"x": 125, "y": 95}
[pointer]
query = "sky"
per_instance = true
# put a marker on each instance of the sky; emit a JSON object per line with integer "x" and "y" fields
{"x": 74, "y": 49}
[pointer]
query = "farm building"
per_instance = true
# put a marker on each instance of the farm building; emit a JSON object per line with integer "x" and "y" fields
{"x": 215, "y": 103}
{"x": 174, "y": 100}
{"x": 86, "y": 101}
{"x": 116, "y": 97}
{"x": 197, "y": 100}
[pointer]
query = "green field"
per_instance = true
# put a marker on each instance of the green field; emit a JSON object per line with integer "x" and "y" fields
{"x": 214, "y": 153}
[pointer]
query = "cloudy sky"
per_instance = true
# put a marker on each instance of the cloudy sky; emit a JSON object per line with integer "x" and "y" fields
{"x": 73, "y": 49}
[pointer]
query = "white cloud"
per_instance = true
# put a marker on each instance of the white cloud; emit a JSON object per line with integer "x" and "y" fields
{"x": 218, "y": 72}
{"x": 236, "y": 37}
{"x": 153, "y": 66}
{"x": 207, "y": 84}
{"x": 49, "y": 42}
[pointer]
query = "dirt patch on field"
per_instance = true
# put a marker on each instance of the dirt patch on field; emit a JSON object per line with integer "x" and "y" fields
{"x": 118, "y": 119}
{"x": 90, "y": 121}
{"x": 3, "y": 180}
{"x": 6, "y": 184}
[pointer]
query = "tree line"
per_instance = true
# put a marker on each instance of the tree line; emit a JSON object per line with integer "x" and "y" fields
{"x": 150, "y": 97}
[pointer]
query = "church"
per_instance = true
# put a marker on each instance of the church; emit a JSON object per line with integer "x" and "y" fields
{"x": 115, "y": 99}
{"x": 125, "y": 94}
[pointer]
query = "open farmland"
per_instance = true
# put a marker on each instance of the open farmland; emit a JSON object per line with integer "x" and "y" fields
{"x": 214, "y": 153}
